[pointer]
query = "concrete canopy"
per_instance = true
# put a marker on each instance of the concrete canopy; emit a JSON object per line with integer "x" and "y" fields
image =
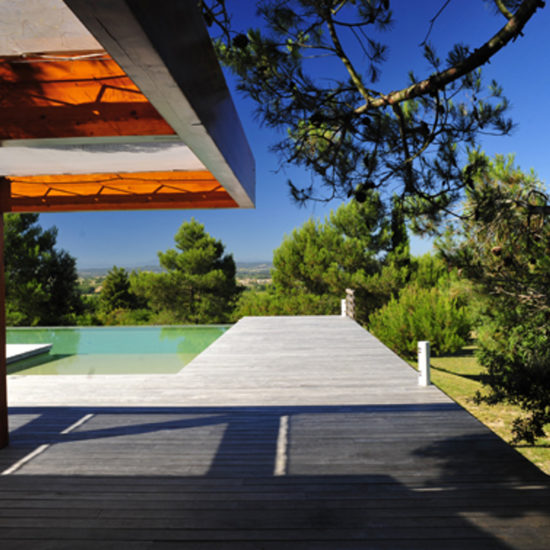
{"x": 114, "y": 105}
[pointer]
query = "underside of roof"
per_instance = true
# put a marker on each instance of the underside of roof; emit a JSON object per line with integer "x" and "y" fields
{"x": 113, "y": 105}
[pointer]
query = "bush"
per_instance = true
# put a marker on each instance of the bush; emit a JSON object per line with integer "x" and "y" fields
{"x": 291, "y": 303}
{"x": 90, "y": 314}
{"x": 517, "y": 359}
{"x": 433, "y": 314}
{"x": 129, "y": 317}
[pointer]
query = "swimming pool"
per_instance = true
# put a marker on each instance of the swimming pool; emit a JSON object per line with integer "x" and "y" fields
{"x": 112, "y": 350}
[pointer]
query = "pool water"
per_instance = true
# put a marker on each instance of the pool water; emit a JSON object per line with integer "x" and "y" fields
{"x": 112, "y": 350}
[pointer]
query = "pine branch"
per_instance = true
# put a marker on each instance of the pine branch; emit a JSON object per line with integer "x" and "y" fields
{"x": 479, "y": 57}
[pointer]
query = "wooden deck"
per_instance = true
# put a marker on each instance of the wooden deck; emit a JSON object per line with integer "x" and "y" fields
{"x": 295, "y": 433}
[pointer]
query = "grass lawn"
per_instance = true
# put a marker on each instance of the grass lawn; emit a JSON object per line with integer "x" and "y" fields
{"x": 458, "y": 376}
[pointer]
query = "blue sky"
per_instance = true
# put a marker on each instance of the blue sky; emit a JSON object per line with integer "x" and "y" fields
{"x": 103, "y": 239}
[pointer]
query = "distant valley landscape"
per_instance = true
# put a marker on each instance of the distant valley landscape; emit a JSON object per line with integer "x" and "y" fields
{"x": 248, "y": 274}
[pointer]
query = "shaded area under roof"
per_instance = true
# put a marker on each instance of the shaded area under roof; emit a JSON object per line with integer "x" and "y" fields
{"x": 116, "y": 104}
{"x": 113, "y": 105}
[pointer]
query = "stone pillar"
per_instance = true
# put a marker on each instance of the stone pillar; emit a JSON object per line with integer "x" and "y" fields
{"x": 350, "y": 303}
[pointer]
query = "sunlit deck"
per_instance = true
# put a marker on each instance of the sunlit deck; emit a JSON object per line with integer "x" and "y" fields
{"x": 299, "y": 432}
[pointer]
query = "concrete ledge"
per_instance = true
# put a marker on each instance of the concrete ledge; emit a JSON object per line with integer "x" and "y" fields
{"x": 15, "y": 352}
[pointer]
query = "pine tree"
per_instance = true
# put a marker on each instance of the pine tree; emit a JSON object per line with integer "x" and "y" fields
{"x": 199, "y": 284}
{"x": 503, "y": 245}
{"x": 116, "y": 292}
{"x": 344, "y": 127}
{"x": 41, "y": 281}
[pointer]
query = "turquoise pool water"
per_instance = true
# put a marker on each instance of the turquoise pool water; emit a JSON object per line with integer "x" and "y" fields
{"x": 112, "y": 350}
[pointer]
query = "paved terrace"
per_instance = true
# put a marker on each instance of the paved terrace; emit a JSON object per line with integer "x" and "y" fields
{"x": 297, "y": 433}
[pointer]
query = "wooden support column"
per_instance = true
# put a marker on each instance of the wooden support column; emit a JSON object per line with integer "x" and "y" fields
{"x": 4, "y": 437}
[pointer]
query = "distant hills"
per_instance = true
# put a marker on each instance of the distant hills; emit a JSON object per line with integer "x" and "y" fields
{"x": 92, "y": 272}
{"x": 256, "y": 270}
{"x": 244, "y": 269}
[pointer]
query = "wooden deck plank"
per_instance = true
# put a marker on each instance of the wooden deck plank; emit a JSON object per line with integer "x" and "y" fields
{"x": 370, "y": 459}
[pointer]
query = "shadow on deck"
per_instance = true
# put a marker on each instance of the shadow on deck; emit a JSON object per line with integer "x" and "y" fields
{"x": 419, "y": 476}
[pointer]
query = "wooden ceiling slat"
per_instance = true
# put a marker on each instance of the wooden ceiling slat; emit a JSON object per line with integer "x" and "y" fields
{"x": 72, "y": 96}
{"x": 168, "y": 177}
{"x": 134, "y": 191}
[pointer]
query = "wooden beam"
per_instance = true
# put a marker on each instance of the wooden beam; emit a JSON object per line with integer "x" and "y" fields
{"x": 4, "y": 434}
{"x": 121, "y": 202}
{"x": 118, "y": 191}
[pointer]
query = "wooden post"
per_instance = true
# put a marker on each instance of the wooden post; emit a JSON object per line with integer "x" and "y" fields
{"x": 4, "y": 436}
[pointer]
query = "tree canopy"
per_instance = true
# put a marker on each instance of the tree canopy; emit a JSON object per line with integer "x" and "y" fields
{"x": 360, "y": 246}
{"x": 116, "y": 292}
{"x": 198, "y": 285}
{"x": 354, "y": 135}
{"x": 41, "y": 281}
{"x": 321, "y": 258}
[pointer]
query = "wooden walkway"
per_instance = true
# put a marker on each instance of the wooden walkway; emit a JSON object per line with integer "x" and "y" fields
{"x": 294, "y": 433}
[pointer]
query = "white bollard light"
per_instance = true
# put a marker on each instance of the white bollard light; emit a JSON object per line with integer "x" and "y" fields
{"x": 343, "y": 307}
{"x": 424, "y": 363}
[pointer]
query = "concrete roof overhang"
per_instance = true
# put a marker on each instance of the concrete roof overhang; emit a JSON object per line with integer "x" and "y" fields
{"x": 114, "y": 105}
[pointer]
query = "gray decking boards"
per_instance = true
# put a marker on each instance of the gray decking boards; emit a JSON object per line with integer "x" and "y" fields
{"x": 286, "y": 433}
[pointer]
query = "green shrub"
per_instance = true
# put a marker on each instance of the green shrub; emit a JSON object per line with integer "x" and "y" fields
{"x": 130, "y": 317}
{"x": 517, "y": 362}
{"x": 289, "y": 303}
{"x": 433, "y": 314}
{"x": 430, "y": 270}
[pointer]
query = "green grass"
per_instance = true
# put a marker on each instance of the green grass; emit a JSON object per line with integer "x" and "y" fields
{"x": 459, "y": 377}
